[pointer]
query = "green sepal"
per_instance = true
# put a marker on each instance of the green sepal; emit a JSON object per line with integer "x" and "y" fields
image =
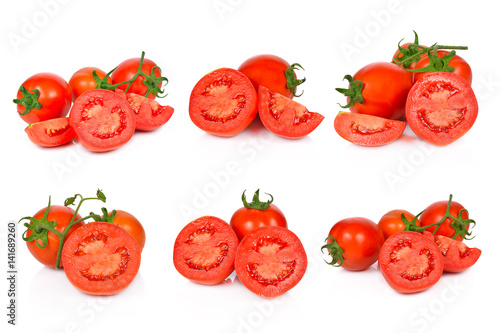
{"x": 353, "y": 92}
{"x": 335, "y": 251}
{"x": 291, "y": 81}
{"x": 256, "y": 203}
{"x": 29, "y": 100}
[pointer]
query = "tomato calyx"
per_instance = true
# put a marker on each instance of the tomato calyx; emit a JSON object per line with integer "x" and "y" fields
{"x": 291, "y": 81}
{"x": 353, "y": 92}
{"x": 106, "y": 217}
{"x": 409, "y": 52}
{"x": 29, "y": 100}
{"x": 335, "y": 251}
{"x": 436, "y": 64}
{"x": 412, "y": 225}
{"x": 256, "y": 203}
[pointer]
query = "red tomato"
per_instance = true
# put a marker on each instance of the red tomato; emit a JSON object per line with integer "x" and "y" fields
{"x": 397, "y": 56}
{"x": 383, "y": 92}
{"x": 269, "y": 71}
{"x": 102, "y": 120}
{"x": 359, "y": 240}
{"x": 83, "y": 80}
{"x": 50, "y": 133}
{"x": 285, "y": 117}
{"x": 204, "y": 250}
{"x": 62, "y": 215}
{"x": 127, "y": 69}
{"x": 410, "y": 262}
{"x": 223, "y": 102}
{"x": 391, "y": 223}
{"x": 436, "y": 211}
{"x": 366, "y": 130}
{"x": 270, "y": 261}
{"x": 130, "y": 224}
{"x": 461, "y": 67}
{"x": 54, "y": 98}
{"x": 101, "y": 258}
{"x": 441, "y": 108}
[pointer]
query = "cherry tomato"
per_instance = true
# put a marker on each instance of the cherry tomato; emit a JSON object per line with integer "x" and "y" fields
{"x": 50, "y": 133}
{"x": 461, "y": 67}
{"x": 127, "y": 69}
{"x": 436, "y": 211}
{"x": 131, "y": 224}
{"x": 392, "y": 223}
{"x": 83, "y": 80}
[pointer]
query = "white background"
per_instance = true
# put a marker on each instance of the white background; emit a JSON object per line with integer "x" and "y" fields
{"x": 166, "y": 178}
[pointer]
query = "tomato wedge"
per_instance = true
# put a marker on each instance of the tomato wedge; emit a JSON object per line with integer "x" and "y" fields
{"x": 366, "y": 130}
{"x": 50, "y": 133}
{"x": 285, "y": 117}
{"x": 270, "y": 261}
{"x": 101, "y": 258}
{"x": 223, "y": 102}
{"x": 204, "y": 250}
{"x": 441, "y": 107}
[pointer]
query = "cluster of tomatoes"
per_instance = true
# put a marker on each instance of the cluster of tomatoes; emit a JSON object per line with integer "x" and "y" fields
{"x": 99, "y": 258}
{"x": 412, "y": 251}
{"x": 100, "y": 119}
{"x": 226, "y": 101}
{"x": 428, "y": 86}
{"x": 268, "y": 258}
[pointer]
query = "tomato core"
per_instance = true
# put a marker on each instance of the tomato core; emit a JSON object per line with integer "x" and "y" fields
{"x": 116, "y": 119}
{"x": 51, "y": 132}
{"x": 418, "y": 266}
{"x": 224, "y": 109}
{"x": 208, "y": 256}
{"x": 376, "y": 126}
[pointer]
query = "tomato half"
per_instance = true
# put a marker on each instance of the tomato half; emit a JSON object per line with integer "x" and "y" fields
{"x": 366, "y": 130}
{"x": 436, "y": 211}
{"x": 285, "y": 117}
{"x": 270, "y": 261}
{"x": 62, "y": 215}
{"x": 53, "y": 100}
{"x": 131, "y": 224}
{"x": 462, "y": 68}
{"x": 441, "y": 108}
{"x": 392, "y": 223}
{"x": 223, "y": 102}
{"x": 83, "y": 80}
{"x": 204, "y": 250}
{"x": 50, "y": 133}
{"x": 127, "y": 69}
{"x": 410, "y": 262}
{"x": 102, "y": 120}
{"x": 149, "y": 114}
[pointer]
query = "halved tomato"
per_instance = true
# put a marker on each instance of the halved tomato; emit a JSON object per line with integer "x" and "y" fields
{"x": 285, "y": 117}
{"x": 102, "y": 120}
{"x": 101, "y": 258}
{"x": 204, "y": 250}
{"x": 270, "y": 261}
{"x": 441, "y": 107}
{"x": 223, "y": 102}
{"x": 50, "y": 133}
{"x": 366, "y": 130}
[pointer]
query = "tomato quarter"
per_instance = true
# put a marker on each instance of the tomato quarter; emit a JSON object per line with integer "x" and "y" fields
{"x": 50, "y": 133}
{"x": 149, "y": 114}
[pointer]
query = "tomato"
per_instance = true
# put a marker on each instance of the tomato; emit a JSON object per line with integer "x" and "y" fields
{"x": 398, "y": 55}
{"x": 131, "y": 224}
{"x": 43, "y": 96}
{"x": 461, "y": 67}
{"x": 50, "y": 133}
{"x": 223, "y": 102}
{"x": 436, "y": 211}
{"x": 378, "y": 89}
{"x": 270, "y": 261}
{"x": 127, "y": 69}
{"x": 102, "y": 120}
{"x": 410, "y": 262}
{"x": 62, "y": 216}
{"x": 392, "y": 222}
{"x": 270, "y": 71}
{"x": 441, "y": 108}
{"x": 366, "y": 130}
{"x": 83, "y": 80}
{"x": 101, "y": 258}
{"x": 357, "y": 243}
{"x": 204, "y": 250}
{"x": 285, "y": 117}
{"x": 256, "y": 214}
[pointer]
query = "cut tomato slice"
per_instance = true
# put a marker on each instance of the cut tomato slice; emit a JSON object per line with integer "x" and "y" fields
{"x": 102, "y": 120}
{"x": 101, "y": 258}
{"x": 285, "y": 117}
{"x": 367, "y": 130}
{"x": 204, "y": 250}
{"x": 441, "y": 107}
{"x": 223, "y": 102}
{"x": 270, "y": 261}
{"x": 51, "y": 133}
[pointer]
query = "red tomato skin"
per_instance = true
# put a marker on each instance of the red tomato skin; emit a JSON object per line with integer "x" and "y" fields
{"x": 391, "y": 223}
{"x": 132, "y": 225}
{"x": 435, "y": 212}
{"x": 127, "y": 69}
{"x": 51, "y": 133}
{"x": 55, "y": 97}
{"x": 246, "y": 220}
{"x": 62, "y": 215}
{"x": 405, "y": 46}
{"x": 360, "y": 240}
{"x": 462, "y": 68}
{"x": 83, "y": 80}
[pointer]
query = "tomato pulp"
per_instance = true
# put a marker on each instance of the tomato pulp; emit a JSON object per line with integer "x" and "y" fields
{"x": 51, "y": 133}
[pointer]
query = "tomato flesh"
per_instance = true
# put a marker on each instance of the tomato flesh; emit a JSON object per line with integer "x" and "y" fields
{"x": 51, "y": 133}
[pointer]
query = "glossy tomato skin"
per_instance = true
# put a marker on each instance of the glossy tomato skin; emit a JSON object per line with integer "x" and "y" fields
{"x": 462, "y": 68}
{"x": 360, "y": 240}
{"x": 435, "y": 212}
{"x": 127, "y": 69}
{"x": 132, "y": 225}
{"x": 246, "y": 220}
{"x": 55, "y": 97}
{"x": 391, "y": 223}
{"x": 51, "y": 133}
{"x": 83, "y": 80}
{"x": 62, "y": 215}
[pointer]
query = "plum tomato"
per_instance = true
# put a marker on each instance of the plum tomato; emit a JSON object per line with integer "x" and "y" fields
{"x": 435, "y": 213}
{"x": 126, "y": 71}
{"x": 392, "y": 222}
{"x": 131, "y": 224}
{"x": 83, "y": 80}
{"x": 270, "y": 261}
{"x": 50, "y": 133}
{"x": 461, "y": 67}
{"x": 205, "y": 249}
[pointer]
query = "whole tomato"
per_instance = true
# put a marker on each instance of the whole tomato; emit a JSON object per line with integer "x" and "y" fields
{"x": 131, "y": 224}
{"x": 392, "y": 223}
{"x": 127, "y": 69}
{"x": 436, "y": 212}
{"x": 461, "y": 67}
{"x": 83, "y": 80}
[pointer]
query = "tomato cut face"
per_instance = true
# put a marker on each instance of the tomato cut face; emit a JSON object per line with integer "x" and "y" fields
{"x": 51, "y": 133}
{"x": 223, "y": 102}
{"x": 285, "y": 117}
{"x": 366, "y": 130}
{"x": 270, "y": 261}
{"x": 204, "y": 250}
{"x": 410, "y": 262}
{"x": 149, "y": 114}
{"x": 101, "y": 258}
{"x": 441, "y": 108}
{"x": 102, "y": 120}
